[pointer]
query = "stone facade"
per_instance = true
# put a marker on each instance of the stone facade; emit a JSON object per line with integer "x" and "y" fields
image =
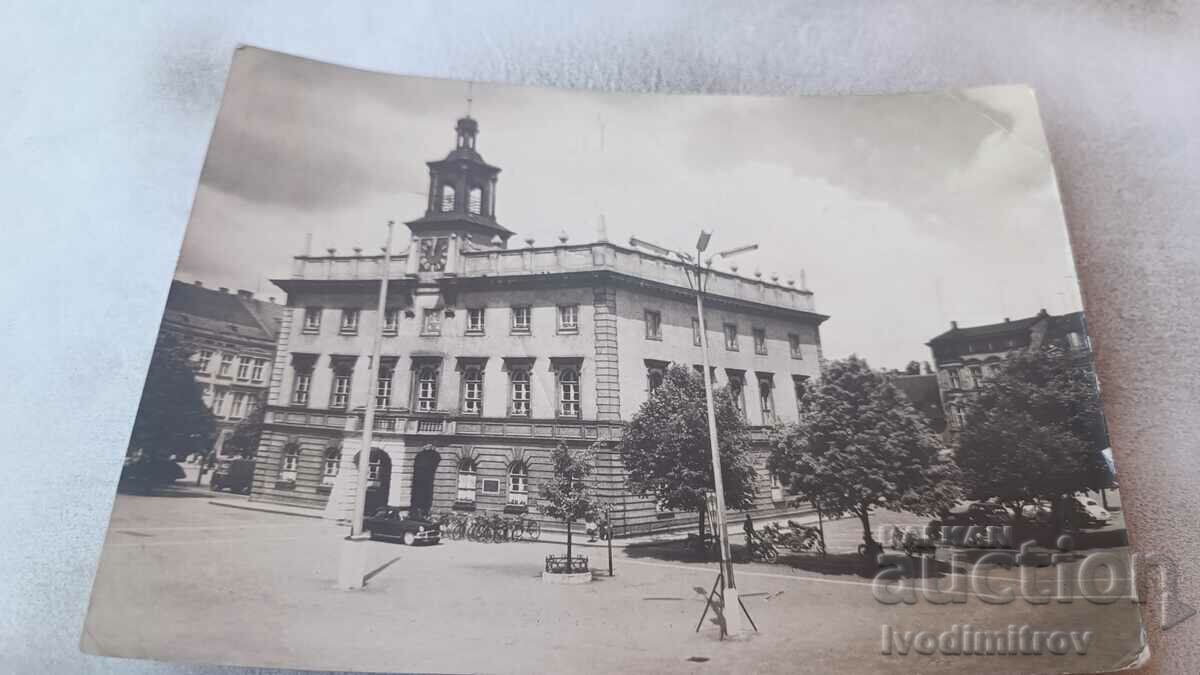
{"x": 491, "y": 356}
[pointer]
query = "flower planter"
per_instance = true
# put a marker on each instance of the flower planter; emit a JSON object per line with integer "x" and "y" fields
{"x": 563, "y": 570}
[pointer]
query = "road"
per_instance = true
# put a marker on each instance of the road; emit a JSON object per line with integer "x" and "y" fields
{"x": 183, "y": 580}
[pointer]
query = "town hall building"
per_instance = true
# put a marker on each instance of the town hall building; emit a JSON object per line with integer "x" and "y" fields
{"x": 494, "y": 355}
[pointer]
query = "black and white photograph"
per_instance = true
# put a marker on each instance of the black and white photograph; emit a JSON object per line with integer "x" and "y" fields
{"x": 455, "y": 376}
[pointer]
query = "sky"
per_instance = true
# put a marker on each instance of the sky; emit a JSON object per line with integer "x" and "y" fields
{"x": 904, "y": 212}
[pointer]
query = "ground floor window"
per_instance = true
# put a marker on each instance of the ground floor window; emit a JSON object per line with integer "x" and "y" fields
{"x": 333, "y": 462}
{"x": 466, "y": 480}
{"x": 290, "y": 463}
{"x": 518, "y": 484}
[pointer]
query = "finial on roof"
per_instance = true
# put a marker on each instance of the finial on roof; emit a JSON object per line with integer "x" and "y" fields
{"x": 602, "y": 230}
{"x": 529, "y": 241}
{"x": 733, "y": 267}
{"x": 757, "y": 273}
{"x": 791, "y": 282}
{"x": 562, "y": 236}
{"x": 332, "y": 251}
{"x": 774, "y": 278}
{"x": 357, "y": 250}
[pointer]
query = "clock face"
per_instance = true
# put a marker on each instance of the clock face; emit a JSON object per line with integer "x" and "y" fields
{"x": 433, "y": 254}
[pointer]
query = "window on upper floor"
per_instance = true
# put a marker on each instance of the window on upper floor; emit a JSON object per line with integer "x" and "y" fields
{"x": 800, "y": 389}
{"x": 655, "y": 374}
{"x": 653, "y": 320}
{"x": 518, "y": 404}
{"x": 226, "y": 366}
{"x": 383, "y": 385}
{"x": 312, "y": 319}
{"x": 427, "y": 388}
{"x": 521, "y": 318}
{"x": 349, "y": 325}
{"x": 472, "y": 395}
{"x": 976, "y": 375}
{"x": 243, "y": 369}
{"x": 794, "y": 346}
{"x": 568, "y": 318}
{"x": 954, "y": 378}
{"x": 568, "y": 391}
{"x": 258, "y": 370}
{"x": 301, "y": 384}
{"x": 391, "y": 321}
{"x": 760, "y": 340}
{"x": 203, "y": 359}
{"x": 475, "y": 318}
{"x": 339, "y": 395}
{"x": 731, "y": 337}
{"x": 737, "y": 389}
{"x": 447, "y": 200}
{"x": 218, "y": 404}
{"x": 237, "y": 408}
{"x": 766, "y": 397}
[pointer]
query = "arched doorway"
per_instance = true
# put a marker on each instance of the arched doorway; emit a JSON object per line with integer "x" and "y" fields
{"x": 425, "y": 466}
{"x": 379, "y": 480}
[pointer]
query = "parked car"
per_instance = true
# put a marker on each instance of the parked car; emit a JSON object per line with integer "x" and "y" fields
{"x": 144, "y": 473}
{"x": 1090, "y": 511}
{"x": 976, "y": 513}
{"x": 397, "y": 524}
{"x": 234, "y": 475}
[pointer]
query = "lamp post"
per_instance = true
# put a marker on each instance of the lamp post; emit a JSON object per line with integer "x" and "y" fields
{"x": 352, "y": 567}
{"x": 730, "y": 605}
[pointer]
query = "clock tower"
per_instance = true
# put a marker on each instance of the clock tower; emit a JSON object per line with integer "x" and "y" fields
{"x": 461, "y": 204}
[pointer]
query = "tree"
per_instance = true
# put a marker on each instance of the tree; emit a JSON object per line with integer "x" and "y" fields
{"x": 566, "y": 496}
{"x": 666, "y": 446}
{"x": 171, "y": 418}
{"x": 248, "y": 432}
{"x": 913, "y": 368}
{"x": 861, "y": 445}
{"x": 1034, "y": 432}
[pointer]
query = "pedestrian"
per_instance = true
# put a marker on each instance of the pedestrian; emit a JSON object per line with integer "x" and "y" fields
{"x": 590, "y": 527}
{"x": 748, "y": 529}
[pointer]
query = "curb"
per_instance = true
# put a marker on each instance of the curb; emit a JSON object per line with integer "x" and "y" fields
{"x": 263, "y": 509}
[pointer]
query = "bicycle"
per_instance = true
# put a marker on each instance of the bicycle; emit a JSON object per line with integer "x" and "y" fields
{"x": 760, "y": 549}
{"x": 526, "y": 527}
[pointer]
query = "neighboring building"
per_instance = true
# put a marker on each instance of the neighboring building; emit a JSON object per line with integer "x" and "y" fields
{"x": 234, "y": 336}
{"x": 922, "y": 390}
{"x": 493, "y": 356}
{"x": 965, "y": 357}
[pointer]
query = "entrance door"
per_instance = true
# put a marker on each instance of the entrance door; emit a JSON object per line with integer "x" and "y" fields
{"x": 379, "y": 481}
{"x": 425, "y": 466}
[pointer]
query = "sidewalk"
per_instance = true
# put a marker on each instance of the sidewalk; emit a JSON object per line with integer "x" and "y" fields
{"x": 244, "y": 503}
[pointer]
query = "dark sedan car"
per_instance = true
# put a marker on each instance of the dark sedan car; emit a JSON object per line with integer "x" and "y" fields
{"x": 397, "y": 524}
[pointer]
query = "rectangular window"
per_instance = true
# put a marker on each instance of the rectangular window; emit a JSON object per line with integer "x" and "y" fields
{"x": 330, "y": 471}
{"x": 427, "y": 388}
{"x": 300, "y": 387}
{"x": 653, "y": 325}
{"x": 312, "y": 320}
{"x": 521, "y": 319}
{"x": 976, "y": 376}
{"x": 766, "y": 398}
{"x": 466, "y": 481}
{"x": 568, "y": 392}
{"x": 794, "y": 345}
{"x": 737, "y": 389}
{"x": 218, "y": 406}
{"x": 731, "y": 337}
{"x": 518, "y": 485}
{"x": 697, "y": 339}
{"x": 760, "y": 340}
{"x": 349, "y": 324}
{"x": 203, "y": 359}
{"x": 490, "y": 486}
{"x": 236, "y": 408}
{"x": 475, "y": 324}
{"x": 207, "y": 395}
{"x": 340, "y": 397}
{"x": 383, "y": 388}
{"x": 955, "y": 380}
{"x": 226, "y": 365}
{"x": 391, "y": 322}
{"x": 519, "y": 403}
{"x": 472, "y": 391}
{"x": 243, "y": 369}
{"x": 800, "y": 388}
{"x": 256, "y": 373}
{"x": 568, "y": 318}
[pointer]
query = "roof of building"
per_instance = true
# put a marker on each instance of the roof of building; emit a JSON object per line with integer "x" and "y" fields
{"x": 1007, "y": 326}
{"x": 223, "y": 312}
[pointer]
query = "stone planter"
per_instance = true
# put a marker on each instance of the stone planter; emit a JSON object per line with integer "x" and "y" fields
{"x": 563, "y": 570}
{"x": 567, "y": 577}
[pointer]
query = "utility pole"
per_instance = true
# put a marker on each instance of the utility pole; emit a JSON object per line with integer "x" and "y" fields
{"x": 353, "y": 562}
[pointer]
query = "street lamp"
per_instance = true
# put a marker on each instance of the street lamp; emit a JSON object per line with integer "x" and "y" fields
{"x": 697, "y": 278}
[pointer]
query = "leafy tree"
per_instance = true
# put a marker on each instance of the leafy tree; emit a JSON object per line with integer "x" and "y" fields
{"x": 248, "y": 431}
{"x": 861, "y": 445}
{"x": 913, "y": 368}
{"x": 566, "y": 496}
{"x": 667, "y": 452}
{"x": 172, "y": 417}
{"x": 1034, "y": 432}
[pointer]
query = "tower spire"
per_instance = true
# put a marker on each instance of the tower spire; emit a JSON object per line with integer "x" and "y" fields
{"x": 470, "y": 97}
